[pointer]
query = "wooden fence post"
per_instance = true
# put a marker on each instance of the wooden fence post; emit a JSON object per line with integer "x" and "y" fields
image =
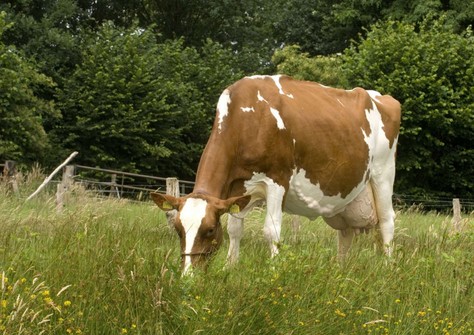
{"x": 113, "y": 186}
{"x": 457, "y": 220}
{"x": 64, "y": 186}
{"x": 172, "y": 187}
{"x": 9, "y": 173}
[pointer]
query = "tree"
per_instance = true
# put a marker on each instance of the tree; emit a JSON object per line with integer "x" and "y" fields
{"x": 246, "y": 26}
{"x": 430, "y": 71}
{"x": 22, "y": 136}
{"x": 139, "y": 105}
{"x": 323, "y": 69}
{"x": 47, "y": 32}
{"x": 327, "y": 27}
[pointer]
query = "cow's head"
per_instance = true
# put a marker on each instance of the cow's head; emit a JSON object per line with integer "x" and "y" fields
{"x": 197, "y": 223}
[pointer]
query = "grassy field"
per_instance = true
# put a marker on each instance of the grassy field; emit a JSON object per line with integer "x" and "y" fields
{"x": 112, "y": 267}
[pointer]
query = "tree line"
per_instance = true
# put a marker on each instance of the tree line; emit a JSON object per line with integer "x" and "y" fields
{"x": 132, "y": 84}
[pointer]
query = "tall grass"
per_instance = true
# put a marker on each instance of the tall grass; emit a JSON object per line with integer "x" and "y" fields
{"x": 112, "y": 267}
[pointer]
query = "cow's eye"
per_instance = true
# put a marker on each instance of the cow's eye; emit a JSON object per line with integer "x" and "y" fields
{"x": 210, "y": 232}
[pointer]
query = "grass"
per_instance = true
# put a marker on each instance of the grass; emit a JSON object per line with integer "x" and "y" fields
{"x": 112, "y": 267}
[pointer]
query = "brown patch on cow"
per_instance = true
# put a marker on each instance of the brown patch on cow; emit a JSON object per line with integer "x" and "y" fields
{"x": 389, "y": 108}
{"x": 330, "y": 144}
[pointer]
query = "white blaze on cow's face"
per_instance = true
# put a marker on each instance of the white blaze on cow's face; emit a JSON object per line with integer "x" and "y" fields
{"x": 191, "y": 217}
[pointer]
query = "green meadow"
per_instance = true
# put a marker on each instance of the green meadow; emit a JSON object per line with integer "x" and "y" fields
{"x": 106, "y": 266}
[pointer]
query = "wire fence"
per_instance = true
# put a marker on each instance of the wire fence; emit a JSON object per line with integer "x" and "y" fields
{"x": 431, "y": 203}
{"x": 121, "y": 184}
{"x": 137, "y": 187}
{"x": 130, "y": 185}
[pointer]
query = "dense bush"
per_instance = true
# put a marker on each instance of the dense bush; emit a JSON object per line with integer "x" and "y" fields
{"x": 430, "y": 70}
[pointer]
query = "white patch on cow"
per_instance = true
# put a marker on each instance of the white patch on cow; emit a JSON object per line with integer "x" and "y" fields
{"x": 324, "y": 86}
{"x": 374, "y": 95}
{"x": 257, "y": 76}
{"x": 307, "y": 199}
{"x": 378, "y": 143}
{"x": 191, "y": 216}
{"x": 262, "y": 187}
{"x": 276, "y": 115}
{"x": 223, "y": 107}
{"x": 260, "y": 97}
{"x": 340, "y": 102}
{"x": 258, "y": 185}
{"x": 276, "y": 79}
{"x": 247, "y": 109}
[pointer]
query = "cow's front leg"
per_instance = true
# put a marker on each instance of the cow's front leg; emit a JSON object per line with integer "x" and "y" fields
{"x": 235, "y": 229}
{"x": 274, "y": 216}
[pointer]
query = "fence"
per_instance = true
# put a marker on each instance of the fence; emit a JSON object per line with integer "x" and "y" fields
{"x": 103, "y": 182}
{"x": 120, "y": 184}
{"x": 126, "y": 184}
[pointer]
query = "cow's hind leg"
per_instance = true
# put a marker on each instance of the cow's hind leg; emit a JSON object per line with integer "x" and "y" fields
{"x": 235, "y": 229}
{"x": 386, "y": 214}
{"x": 382, "y": 186}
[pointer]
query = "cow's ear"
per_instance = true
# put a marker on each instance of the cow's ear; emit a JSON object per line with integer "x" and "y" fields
{"x": 236, "y": 204}
{"x": 166, "y": 202}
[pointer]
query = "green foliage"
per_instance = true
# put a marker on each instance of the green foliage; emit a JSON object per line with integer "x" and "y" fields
{"x": 139, "y": 105}
{"x": 46, "y": 31}
{"x": 323, "y": 69}
{"x": 155, "y": 116}
{"x": 119, "y": 263}
{"x": 323, "y": 27}
{"x": 119, "y": 110}
{"x": 430, "y": 72}
{"x": 22, "y": 136}
{"x": 307, "y": 24}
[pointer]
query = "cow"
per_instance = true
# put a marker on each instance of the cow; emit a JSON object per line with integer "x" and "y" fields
{"x": 300, "y": 147}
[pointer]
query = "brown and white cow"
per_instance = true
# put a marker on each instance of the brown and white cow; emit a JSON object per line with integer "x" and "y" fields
{"x": 301, "y": 147}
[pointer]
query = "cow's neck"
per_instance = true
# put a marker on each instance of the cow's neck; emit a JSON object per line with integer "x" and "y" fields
{"x": 214, "y": 172}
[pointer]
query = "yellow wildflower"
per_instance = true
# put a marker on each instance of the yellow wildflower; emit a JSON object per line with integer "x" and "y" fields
{"x": 340, "y": 313}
